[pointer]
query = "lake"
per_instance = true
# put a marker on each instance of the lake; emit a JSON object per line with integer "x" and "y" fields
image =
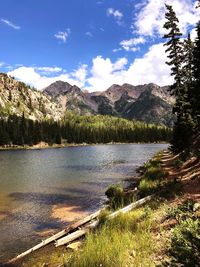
{"x": 43, "y": 190}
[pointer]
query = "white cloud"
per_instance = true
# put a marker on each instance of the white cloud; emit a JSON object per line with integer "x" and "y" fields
{"x": 49, "y": 69}
{"x": 2, "y": 64}
{"x": 149, "y": 21}
{"x": 30, "y": 75}
{"x": 10, "y": 24}
{"x": 89, "y": 34}
{"x": 116, "y": 50}
{"x": 104, "y": 73}
{"x": 80, "y": 74}
{"x": 151, "y": 68}
{"x": 120, "y": 64}
{"x": 116, "y": 14}
{"x": 63, "y": 35}
{"x": 131, "y": 44}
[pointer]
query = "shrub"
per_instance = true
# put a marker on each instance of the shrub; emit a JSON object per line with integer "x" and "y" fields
{"x": 117, "y": 197}
{"x": 185, "y": 243}
{"x": 177, "y": 163}
{"x": 147, "y": 187}
{"x": 183, "y": 211}
{"x": 155, "y": 173}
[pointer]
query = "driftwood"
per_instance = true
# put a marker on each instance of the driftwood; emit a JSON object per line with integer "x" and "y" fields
{"x": 131, "y": 206}
{"x": 79, "y": 233}
{"x": 58, "y": 235}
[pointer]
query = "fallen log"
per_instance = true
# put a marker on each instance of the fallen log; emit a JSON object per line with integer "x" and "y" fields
{"x": 58, "y": 235}
{"x": 131, "y": 206}
{"x": 75, "y": 235}
{"x": 79, "y": 233}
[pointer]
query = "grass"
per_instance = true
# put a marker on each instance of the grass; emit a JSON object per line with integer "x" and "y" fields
{"x": 137, "y": 239}
{"x": 117, "y": 197}
{"x": 118, "y": 242}
{"x": 154, "y": 178}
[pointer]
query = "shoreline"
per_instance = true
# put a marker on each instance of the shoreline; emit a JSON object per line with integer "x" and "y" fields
{"x": 189, "y": 190}
{"x": 62, "y": 212}
{"x": 43, "y": 145}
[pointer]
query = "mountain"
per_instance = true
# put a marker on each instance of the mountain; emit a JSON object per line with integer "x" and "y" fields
{"x": 148, "y": 107}
{"x": 18, "y": 98}
{"x": 150, "y": 102}
{"x": 71, "y": 98}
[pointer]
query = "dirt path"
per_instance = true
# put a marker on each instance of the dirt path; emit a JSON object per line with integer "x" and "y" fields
{"x": 188, "y": 174}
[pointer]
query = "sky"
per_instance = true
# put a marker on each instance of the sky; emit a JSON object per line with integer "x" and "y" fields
{"x": 89, "y": 43}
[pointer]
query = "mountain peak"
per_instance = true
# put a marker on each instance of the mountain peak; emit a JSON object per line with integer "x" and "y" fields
{"x": 57, "y": 88}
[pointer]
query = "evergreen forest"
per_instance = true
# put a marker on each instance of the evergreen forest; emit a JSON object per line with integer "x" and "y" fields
{"x": 73, "y": 128}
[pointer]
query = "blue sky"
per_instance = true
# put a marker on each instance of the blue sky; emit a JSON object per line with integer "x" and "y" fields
{"x": 91, "y": 43}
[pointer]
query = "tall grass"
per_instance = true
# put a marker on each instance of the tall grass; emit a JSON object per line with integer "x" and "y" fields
{"x": 153, "y": 177}
{"x": 117, "y": 197}
{"x": 122, "y": 241}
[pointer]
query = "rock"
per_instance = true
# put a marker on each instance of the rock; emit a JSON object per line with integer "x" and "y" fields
{"x": 133, "y": 253}
{"x": 74, "y": 246}
{"x": 196, "y": 206}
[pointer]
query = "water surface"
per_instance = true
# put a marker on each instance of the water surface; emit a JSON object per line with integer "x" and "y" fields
{"x": 34, "y": 182}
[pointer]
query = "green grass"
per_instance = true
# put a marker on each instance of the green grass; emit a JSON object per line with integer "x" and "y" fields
{"x": 154, "y": 178}
{"x": 123, "y": 241}
{"x": 117, "y": 197}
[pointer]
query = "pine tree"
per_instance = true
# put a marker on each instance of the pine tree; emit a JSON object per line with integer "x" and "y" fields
{"x": 188, "y": 79}
{"x": 181, "y": 60}
{"x": 174, "y": 49}
{"x": 188, "y": 60}
{"x": 196, "y": 88}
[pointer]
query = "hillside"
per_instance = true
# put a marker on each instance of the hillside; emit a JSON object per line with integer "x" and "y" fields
{"x": 18, "y": 99}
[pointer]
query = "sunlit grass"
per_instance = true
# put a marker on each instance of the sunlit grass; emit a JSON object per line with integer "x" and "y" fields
{"x": 122, "y": 241}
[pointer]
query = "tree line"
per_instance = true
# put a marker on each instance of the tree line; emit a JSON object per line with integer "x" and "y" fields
{"x": 184, "y": 59}
{"x": 73, "y": 128}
